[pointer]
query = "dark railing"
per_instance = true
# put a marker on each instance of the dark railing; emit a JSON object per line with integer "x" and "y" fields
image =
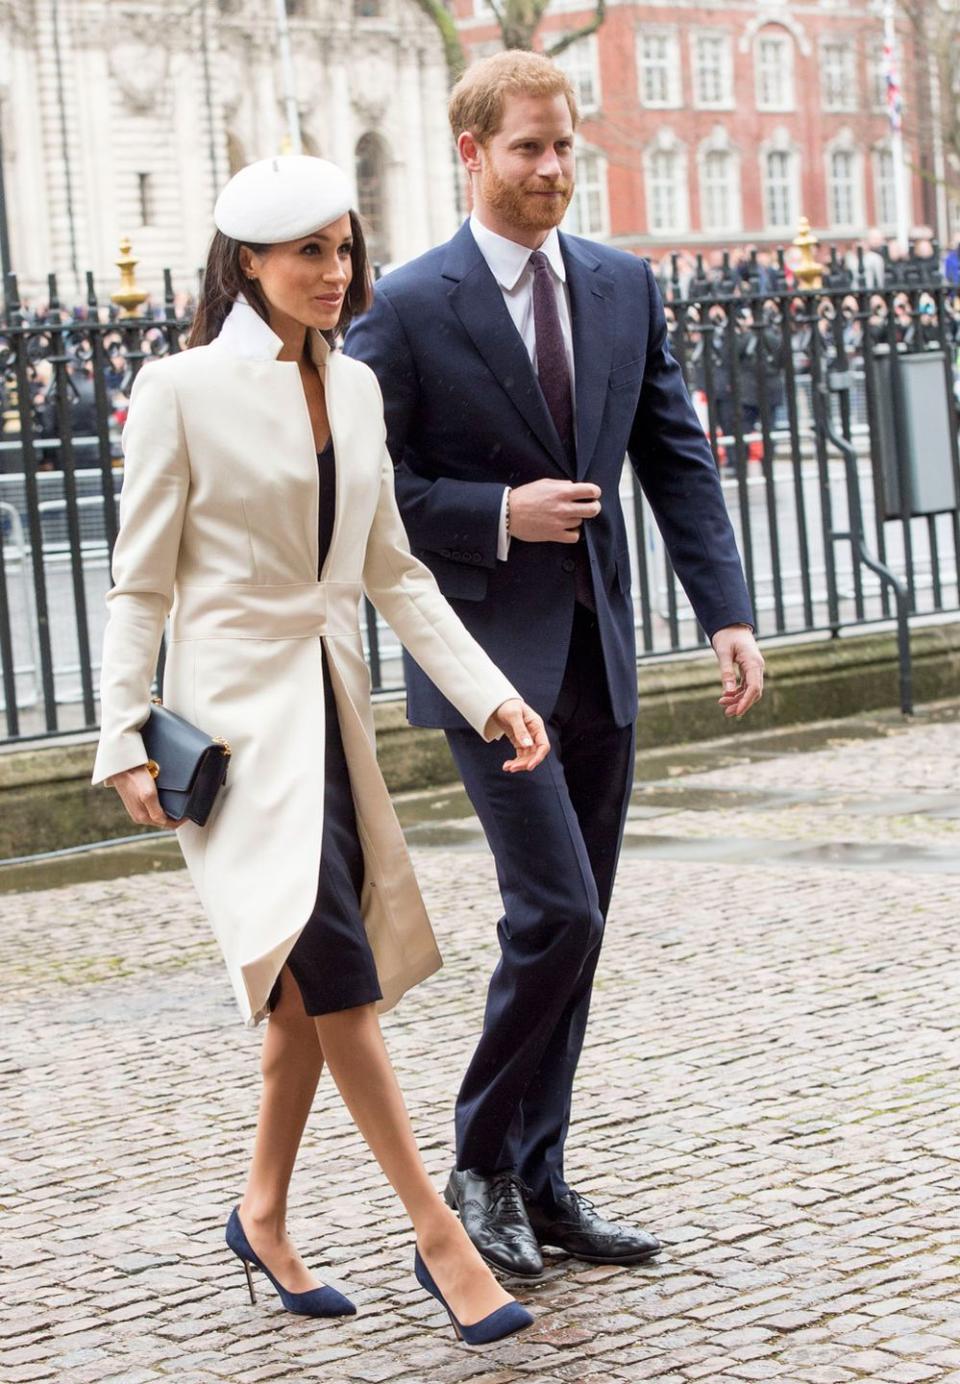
{"x": 802, "y": 393}
{"x": 763, "y": 361}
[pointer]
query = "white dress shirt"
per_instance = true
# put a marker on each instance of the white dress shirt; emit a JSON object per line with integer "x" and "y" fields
{"x": 509, "y": 263}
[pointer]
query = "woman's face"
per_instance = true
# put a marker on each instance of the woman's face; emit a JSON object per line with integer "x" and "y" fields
{"x": 305, "y": 280}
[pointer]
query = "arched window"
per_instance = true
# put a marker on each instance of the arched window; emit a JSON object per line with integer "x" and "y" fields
{"x": 665, "y": 167}
{"x": 844, "y": 183}
{"x": 838, "y": 74}
{"x": 884, "y": 188}
{"x": 780, "y": 175}
{"x": 372, "y": 201}
{"x": 719, "y": 166}
{"x": 773, "y": 58}
{"x": 588, "y": 213}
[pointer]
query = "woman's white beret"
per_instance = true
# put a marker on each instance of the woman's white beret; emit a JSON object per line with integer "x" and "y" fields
{"x": 282, "y": 198}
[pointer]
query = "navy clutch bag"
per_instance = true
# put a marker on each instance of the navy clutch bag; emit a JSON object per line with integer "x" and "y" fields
{"x": 189, "y": 766}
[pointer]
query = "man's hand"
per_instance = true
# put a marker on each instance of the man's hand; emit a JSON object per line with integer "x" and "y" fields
{"x": 737, "y": 653}
{"x": 551, "y": 511}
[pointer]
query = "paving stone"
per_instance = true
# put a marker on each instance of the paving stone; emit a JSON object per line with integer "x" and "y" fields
{"x": 769, "y": 1083}
{"x": 908, "y": 1373}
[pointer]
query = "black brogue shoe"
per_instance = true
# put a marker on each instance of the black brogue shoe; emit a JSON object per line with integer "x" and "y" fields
{"x": 494, "y": 1216}
{"x": 576, "y": 1226}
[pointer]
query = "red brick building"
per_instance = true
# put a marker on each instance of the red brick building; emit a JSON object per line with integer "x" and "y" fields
{"x": 708, "y": 126}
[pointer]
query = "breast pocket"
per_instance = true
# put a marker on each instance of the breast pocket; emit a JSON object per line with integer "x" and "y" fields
{"x": 626, "y": 376}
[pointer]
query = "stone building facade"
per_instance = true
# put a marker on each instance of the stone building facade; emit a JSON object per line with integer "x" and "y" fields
{"x": 713, "y": 123}
{"x": 122, "y": 117}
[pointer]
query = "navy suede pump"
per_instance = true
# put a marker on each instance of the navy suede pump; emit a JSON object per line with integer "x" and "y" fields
{"x": 511, "y": 1317}
{"x": 317, "y": 1302}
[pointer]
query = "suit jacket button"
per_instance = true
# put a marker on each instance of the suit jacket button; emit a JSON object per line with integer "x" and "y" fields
{"x": 568, "y": 564}
{"x": 478, "y": 557}
{"x": 445, "y": 552}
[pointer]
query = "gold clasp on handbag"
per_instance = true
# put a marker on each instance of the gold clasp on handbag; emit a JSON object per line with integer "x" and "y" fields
{"x": 153, "y": 768}
{"x": 225, "y": 744}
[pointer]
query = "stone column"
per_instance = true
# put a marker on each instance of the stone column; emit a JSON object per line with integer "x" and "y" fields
{"x": 340, "y": 119}
{"x": 410, "y": 184}
{"x": 28, "y": 206}
{"x": 441, "y": 155}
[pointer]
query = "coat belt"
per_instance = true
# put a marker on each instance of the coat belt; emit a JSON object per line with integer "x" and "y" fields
{"x": 296, "y": 611}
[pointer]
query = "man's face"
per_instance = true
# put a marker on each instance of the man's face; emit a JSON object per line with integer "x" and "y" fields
{"x": 524, "y": 174}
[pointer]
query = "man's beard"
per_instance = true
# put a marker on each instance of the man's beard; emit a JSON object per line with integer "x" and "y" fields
{"x": 518, "y": 207}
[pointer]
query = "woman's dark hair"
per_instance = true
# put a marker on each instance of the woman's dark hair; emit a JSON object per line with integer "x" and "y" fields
{"x": 224, "y": 279}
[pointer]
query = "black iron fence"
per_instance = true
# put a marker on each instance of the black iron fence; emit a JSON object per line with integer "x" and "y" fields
{"x": 831, "y": 411}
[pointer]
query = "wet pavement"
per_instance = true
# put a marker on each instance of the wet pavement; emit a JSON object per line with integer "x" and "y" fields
{"x": 770, "y": 1083}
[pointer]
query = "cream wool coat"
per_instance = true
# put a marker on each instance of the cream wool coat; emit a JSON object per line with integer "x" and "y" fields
{"x": 218, "y": 520}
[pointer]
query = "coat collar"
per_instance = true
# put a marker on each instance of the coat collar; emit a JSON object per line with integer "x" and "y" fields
{"x": 246, "y": 336}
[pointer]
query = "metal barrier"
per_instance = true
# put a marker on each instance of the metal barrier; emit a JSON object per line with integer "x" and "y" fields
{"x": 806, "y": 469}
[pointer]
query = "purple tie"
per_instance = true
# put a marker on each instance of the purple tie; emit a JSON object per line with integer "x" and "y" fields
{"x": 553, "y": 373}
{"x": 552, "y": 369}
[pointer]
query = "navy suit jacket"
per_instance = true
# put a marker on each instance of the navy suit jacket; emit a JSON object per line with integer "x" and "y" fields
{"x": 465, "y": 417}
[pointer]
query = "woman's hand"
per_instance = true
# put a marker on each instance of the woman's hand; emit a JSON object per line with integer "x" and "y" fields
{"x": 525, "y": 731}
{"x": 138, "y": 793}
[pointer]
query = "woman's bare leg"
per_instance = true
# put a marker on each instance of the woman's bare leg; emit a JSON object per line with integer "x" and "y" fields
{"x": 357, "y": 1058}
{"x": 291, "y": 1063}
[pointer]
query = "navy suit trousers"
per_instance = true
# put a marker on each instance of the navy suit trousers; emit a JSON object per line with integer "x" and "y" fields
{"x": 556, "y": 866}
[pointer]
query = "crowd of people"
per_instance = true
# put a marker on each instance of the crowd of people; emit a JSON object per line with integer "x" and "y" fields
{"x": 80, "y": 374}
{"x": 716, "y": 344}
{"x": 735, "y": 349}
{"x": 753, "y": 269}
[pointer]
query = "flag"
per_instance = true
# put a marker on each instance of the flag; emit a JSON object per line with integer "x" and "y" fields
{"x": 892, "y": 80}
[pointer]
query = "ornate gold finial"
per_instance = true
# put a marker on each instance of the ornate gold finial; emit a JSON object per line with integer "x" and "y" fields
{"x": 11, "y": 414}
{"x": 128, "y": 297}
{"x": 809, "y": 271}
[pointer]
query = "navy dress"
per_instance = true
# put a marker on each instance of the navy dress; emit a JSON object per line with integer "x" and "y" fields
{"x": 331, "y": 960}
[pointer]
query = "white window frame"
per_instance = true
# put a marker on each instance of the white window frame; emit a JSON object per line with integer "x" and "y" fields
{"x": 667, "y": 144}
{"x": 876, "y": 77}
{"x": 856, "y": 218}
{"x": 674, "y": 84}
{"x": 581, "y": 63}
{"x": 734, "y": 194}
{"x": 839, "y": 91}
{"x": 785, "y": 148}
{"x": 879, "y": 153}
{"x": 598, "y": 227}
{"x": 785, "y": 40}
{"x": 724, "y": 102}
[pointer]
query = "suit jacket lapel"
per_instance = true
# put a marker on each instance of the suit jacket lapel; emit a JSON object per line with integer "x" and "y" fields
{"x": 478, "y": 302}
{"x": 591, "y": 312}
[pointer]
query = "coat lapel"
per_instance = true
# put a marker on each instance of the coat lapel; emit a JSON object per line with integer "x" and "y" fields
{"x": 478, "y": 302}
{"x": 591, "y": 312}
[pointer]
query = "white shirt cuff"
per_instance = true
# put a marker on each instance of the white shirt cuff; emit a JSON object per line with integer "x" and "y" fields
{"x": 503, "y": 538}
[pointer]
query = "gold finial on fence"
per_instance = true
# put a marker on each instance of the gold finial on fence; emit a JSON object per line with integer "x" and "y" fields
{"x": 809, "y": 271}
{"x": 11, "y": 414}
{"x": 128, "y": 297}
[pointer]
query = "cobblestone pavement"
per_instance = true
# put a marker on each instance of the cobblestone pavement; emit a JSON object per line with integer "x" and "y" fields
{"x": 771, "y": 1083}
